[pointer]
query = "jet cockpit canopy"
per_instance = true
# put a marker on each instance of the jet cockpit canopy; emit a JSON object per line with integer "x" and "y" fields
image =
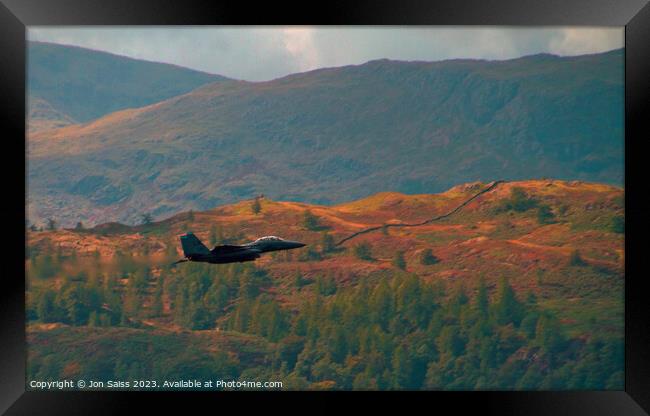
{"x": 268, "y": 238}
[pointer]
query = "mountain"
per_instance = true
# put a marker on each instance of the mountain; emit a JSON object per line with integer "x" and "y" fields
{"x": 338, "y": 134}
{"x": 85, "y": 84}
{"x": 558, "y": 245}
{"x": 42, "y": 116}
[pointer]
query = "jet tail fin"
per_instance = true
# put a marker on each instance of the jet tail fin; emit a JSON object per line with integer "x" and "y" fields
{"x": 192, "y": 245}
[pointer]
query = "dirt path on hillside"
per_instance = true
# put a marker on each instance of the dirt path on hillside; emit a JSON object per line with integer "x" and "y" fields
{"x": 438, "y": 218}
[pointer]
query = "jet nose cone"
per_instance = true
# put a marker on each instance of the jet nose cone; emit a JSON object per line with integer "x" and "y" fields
{"x": 297, "y": 244}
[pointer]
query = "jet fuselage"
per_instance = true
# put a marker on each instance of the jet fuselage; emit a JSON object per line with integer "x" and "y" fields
{"x": 194, "y": 250}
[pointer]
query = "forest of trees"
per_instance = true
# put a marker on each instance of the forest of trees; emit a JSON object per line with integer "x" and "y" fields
{"x": 405, "y": 334}
{"x": 395, "y": 333}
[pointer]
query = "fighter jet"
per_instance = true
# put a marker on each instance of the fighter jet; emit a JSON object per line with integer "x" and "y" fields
{"x": 195, "y": 250}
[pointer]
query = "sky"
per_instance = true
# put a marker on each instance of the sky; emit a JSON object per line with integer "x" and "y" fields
{"x": 260, "y": 53}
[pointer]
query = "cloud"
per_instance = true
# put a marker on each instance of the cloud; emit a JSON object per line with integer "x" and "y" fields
{"x": 299, "y": 42}
{"x": 580, "y": 41}
{"x": 261, "y": 53}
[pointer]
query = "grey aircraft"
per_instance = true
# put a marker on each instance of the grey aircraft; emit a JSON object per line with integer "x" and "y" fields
{"x": 195, "y": 250}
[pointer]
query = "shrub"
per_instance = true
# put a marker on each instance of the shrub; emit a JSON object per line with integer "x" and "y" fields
{"x": 518, "y": 201}
{"x": 575, "y": 259}
{"x": 362, "y": 251}
{"x": 427, "y": 258}
{"x": 325, "y": 286}
{"x": 617, "y": 224}
{"x": 299, "y": 281}
{"x": 51, "y": 224}
{"x": 545, "y": 215}
{"x": 310, "y": 221}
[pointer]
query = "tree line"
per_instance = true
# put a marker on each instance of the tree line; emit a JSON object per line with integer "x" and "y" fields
{"x": 396, "y": 333}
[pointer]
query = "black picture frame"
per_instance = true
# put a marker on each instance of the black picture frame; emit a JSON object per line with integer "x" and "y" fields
{"x": 15, "y": 15}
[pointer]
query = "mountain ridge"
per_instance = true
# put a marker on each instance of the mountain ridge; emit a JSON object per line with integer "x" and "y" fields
{"x": 86, "y": 84}
{"x": 338, "y": 134}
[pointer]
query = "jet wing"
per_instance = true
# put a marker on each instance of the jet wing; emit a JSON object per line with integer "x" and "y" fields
{"x": 227, "y": 249}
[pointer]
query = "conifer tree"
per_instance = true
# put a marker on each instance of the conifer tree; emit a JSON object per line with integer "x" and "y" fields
{"x": 277, "y": 322}
{"x": 310, "y": 221}
{"x": 482, "y": 302}
{"x": 181, "y": 306}
{"x": 51, "y": 224}
{"x": 298, "y": 280}
{"x": 402, "y": 368}
{"x": 241, "y": 317}
{"x": 256, "y": 206}
{"x": 46, "y": 307}
{"x": 132, "y": 301}
{"x": 449, "y": 342}
{"x": 381, "y": 305}
{"x": 507, "y": 308}
{"x": 548, "y": 334}
{"x": 157, "y": 303}
{"x": 458, "y": 300}
{"x": 399, "y": 261}
{"x": 362, "y": 251}
{"x": 77, "y": 304}
{"x": 327, "y": 243}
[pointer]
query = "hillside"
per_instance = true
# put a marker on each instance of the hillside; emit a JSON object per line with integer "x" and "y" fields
{"x": 478, "y": 240}
{"x": 42, "y": 116}
{"x": 84, "y": 84}
{"x": 337, "y": 134}
{"x": 559, "y": 246}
